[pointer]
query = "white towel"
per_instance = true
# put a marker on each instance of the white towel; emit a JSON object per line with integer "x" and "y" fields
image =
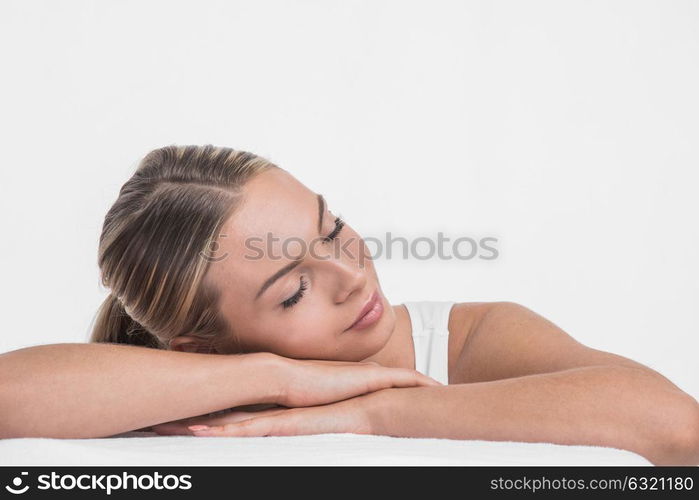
{"x": 149, "y": 449}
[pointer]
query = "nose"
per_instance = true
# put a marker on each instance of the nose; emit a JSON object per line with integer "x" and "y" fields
{"x": 345, "y": 275}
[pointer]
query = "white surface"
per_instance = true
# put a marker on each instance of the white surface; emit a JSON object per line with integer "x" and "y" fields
{"x": 323, "y": 449}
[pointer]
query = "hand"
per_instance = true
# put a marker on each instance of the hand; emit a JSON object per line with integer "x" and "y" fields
{"x": 348, "y": 416}
{"x": 317, "y": 382}
{"x": 310, "y": 383}
{"x": 180, "y": 427}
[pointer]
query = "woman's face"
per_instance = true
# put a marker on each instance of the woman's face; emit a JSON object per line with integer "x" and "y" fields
{"x": 301, "y": 311}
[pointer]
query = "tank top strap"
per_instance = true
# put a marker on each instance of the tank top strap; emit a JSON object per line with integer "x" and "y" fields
{"x": 430, "y": 331}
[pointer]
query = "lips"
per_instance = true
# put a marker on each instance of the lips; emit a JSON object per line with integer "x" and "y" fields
{"x": 367, "y": 307}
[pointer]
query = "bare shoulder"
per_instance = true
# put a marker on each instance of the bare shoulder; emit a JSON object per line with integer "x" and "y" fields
{"x": 464, "y": 316}
{"x": 498, "y": 340}
{"x": 463, "y": 319}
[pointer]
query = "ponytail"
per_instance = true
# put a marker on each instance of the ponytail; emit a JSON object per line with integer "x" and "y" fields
{"x": 114, "y": 325}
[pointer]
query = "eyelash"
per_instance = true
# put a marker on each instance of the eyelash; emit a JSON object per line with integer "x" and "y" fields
{"x": 339, "y": 224}
{"x": 290, "y": 302}
{"x": 297, "y": 296}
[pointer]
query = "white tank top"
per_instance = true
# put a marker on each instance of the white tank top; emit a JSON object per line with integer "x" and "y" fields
{"x": 430, "y": 324}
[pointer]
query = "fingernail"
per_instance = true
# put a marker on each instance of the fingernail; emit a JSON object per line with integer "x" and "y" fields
{"x": 197, "y": 427}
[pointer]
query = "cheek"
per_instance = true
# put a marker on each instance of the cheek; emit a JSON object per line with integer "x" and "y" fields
{"x": 307, "y": 344}
{"x": 304, "y": 335}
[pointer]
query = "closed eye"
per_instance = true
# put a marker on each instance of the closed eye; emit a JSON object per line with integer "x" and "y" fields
{"x": 339, "y": 224}
{"x": 294, "y": 299}
{"x": 291, "y": 301}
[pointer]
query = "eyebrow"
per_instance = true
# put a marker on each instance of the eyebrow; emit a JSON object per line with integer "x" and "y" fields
{"x": 287, "y": 268}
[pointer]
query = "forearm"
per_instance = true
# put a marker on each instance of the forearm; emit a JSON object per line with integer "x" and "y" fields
{"x": 96, "y": 390}
{"x": 598, "y": 405}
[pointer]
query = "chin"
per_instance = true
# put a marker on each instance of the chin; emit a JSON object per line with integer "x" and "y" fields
{"x": 373, "y": 340}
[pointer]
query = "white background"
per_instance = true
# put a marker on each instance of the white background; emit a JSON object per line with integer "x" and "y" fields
{"x": 569, "y": 130}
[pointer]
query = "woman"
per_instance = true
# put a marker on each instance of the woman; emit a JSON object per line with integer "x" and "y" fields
{"x": 209, "y": 250}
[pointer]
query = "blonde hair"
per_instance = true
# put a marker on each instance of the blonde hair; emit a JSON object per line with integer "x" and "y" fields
{"x": 155, "y": 241}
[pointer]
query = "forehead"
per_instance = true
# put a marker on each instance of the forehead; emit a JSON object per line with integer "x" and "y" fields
{"x": 269, "y": 195}
{"x": 274, "y": 205}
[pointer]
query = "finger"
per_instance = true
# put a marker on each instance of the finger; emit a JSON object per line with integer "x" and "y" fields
{"x": 292, "y": 422}
{"x": 405, "y": 377}
{"x": 181, "y": 427}
{"x": 425, "y": 380}
{"x": 254, "y": 427}
{"x": 337, "y": 417}
{"x": 237, "y": 416}
{"x": 334, "y": 362}
{"x": 420, "y": 378}
{"x": 341, "y": 363}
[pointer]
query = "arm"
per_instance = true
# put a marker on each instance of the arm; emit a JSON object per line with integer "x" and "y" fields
{"x": 612, "y": 406}
{"x": 97, "y": 390}
{"x": 519, "y": 377}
